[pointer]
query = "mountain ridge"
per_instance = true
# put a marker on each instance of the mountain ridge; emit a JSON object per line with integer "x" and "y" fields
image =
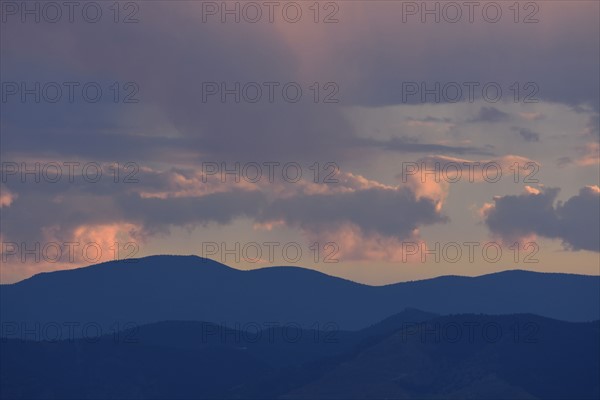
{"x": 398, "y": 358}
{"x": 213, "y": 263}
{"x": 191, "y": 288}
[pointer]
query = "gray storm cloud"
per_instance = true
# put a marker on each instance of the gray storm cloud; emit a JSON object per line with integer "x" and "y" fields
{"x": 576, "y": 222}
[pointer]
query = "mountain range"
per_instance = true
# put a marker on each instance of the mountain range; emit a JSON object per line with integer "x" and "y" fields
{"x": 186, "y": 327}
{"x": 189, "y": 288}
{"x": 411, "y": 355}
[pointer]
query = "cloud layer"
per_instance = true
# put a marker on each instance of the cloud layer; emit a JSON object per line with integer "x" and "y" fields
{"x": 576, "y": 221}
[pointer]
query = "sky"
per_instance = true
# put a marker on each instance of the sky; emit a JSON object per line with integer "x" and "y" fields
{"x": 380, "y": 141}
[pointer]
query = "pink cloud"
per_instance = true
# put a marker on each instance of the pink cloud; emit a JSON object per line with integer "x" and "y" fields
{"x": 6, "y": 197}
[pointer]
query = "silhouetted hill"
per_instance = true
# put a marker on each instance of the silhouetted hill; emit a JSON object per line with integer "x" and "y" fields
{"x": 471, "y": 357}
{"x": 178, "y": 359}
{"x": 409, "y": 355}
{"x": 183, "y": 288}
{"x": 162, "y": 288}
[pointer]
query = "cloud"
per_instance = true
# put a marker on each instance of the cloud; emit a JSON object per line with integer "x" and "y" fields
{"x": 580, "y": 221}
{"x": 412, "y": 145}
{"x": 532, "y": 116}
{"x": 429, "y": 118}
{"x": 451, "y": 169}
{"x": 395, "y": 212}
{"x": 158, "y": 215}
{"x": 589, "y": 154}
{"x": 354, "y": 207}
{"x": 348, "y": 242}
{"x": 576, "y": 222}
{"x": 490, "y": 115}
{"x": 156, "y": 203}
{"x": 172, "y": 126}
{"x": 527, "y": 134}
{"x": 369, "y": 39}
{"x": 593, "y": 127}
{"x": 6, "y": 197}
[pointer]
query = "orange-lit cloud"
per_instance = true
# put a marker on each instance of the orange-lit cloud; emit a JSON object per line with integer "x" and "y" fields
{"x": 6, "y": 197}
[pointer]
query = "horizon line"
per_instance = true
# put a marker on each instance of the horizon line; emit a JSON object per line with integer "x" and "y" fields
{"x": 295, "y": 267}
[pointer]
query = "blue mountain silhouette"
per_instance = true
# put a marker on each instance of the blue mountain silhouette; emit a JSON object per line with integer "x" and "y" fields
{"x": 411, "y": 355}
{"x": 189, "y": 288}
